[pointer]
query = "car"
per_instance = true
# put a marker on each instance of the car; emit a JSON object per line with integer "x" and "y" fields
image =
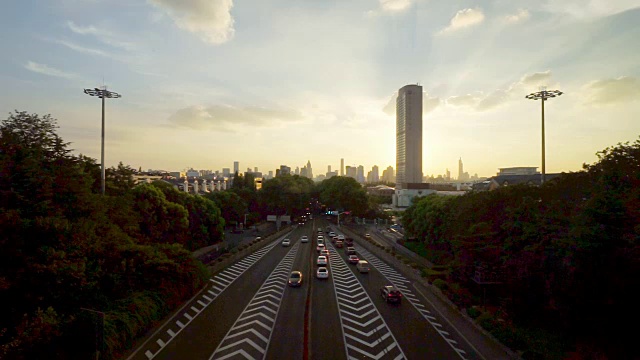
{"x": 322, "y": 261}
{"x": 320, "y": 241}
{"x": 363, "y": 266}
{"x": 304, "y": 239}
{"x": 295, "y": 279}
{"x": 320, "y": 237}
{"x": 354, "y": 259}
{"x": 325, "y": 252}
{"x": 258, "y": 238}
{"x": 322, "y": 273}
{"x": 286, "y": 242}
{"x": 368, "y": 236}
{"x": 341, "y": 237}
{"x": 332, "y": 234}
{"x": 349, "y": 241}
{"x": 319, "y": 247}
{"x": 391, "y": 294}
{"x": 351, "y": 250}
{"x": 339, "y": 243}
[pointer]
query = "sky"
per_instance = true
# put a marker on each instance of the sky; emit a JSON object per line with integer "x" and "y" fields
{"x": 205, "y": 83}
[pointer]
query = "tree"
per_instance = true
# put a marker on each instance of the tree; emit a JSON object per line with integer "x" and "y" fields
{"x": 344, "y": 193}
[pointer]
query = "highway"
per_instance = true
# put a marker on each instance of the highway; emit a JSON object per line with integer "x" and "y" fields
{"x": 247, "y": 311}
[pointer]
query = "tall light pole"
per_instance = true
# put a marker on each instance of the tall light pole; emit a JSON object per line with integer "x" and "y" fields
{"x": 99, "y": 336}
{"x": 102, "y": 93}
{"x": 543, "y": 95}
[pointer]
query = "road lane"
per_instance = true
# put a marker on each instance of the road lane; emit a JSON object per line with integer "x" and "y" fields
{"x": 201, "y": 335}
{"x": 288, "y": 333}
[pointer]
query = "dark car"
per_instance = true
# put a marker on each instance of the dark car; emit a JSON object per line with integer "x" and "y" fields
{"x": 391, "y": 294}
{"x": 349, "y": 241}
{"x": 295, "y": 279}
{"x": 353, "y": 259}
{"x": 351, "y": 251}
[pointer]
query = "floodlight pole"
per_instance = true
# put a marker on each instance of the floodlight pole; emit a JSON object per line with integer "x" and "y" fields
{"x": 102, "y": 93}
{"x": 543, "y": 95}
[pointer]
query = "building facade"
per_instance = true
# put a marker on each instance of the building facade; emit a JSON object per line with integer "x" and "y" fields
{"x": 409, "y": 136}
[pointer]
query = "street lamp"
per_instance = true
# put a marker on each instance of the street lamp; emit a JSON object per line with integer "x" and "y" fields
{"x": 102, "y": 93}
{"x": 101, "y": 340}
{"x": 543, "y": 95}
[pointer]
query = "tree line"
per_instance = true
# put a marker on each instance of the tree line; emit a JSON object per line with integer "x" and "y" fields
{"x": 566, "y": 255}
{"x": 68, "y": 253}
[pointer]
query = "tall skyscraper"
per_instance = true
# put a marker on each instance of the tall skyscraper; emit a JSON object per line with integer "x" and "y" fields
{"x": 460, "y": 170}
{"x": 409, "y": 136}
{"x": 329, "y": 168}
{"x": 375, "y": 174}
{"x": 236, "y": 166}
{"x": 360, "y": 174}
{"x": 341, "y": 167}
{"x": 309, "y": 171}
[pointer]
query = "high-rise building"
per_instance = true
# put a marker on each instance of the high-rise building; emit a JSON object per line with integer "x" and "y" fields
{"x": 341, "y": 167}
{"x": 255, "y": 169}
{"x": 309, "y": 171}
{"x": 236, "y": 166}
{"x": 360, "y": 174}
{"x": 329, "y": 168}
{"x": 387, "y": 175}
{"x": 375, "y": 174}
{"x": 409, "y": 136}
{"x": 460, "y": 170}
{"x": 351, "y": 171}
{"x": 226, "y": 172}
{"x": 270, "y": 174}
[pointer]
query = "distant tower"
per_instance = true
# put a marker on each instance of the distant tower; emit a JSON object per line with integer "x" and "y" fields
{"x": 341, "y": 167}
{"x": 309, "y": 171}
{"x": 329, "y": 168}
{"x": 409, "y": 135}
{"x": 236, "y": 166}
{"x": 460, "y": 170}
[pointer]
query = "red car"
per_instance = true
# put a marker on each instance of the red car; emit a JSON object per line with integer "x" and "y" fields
{"x": 353, "y": 259}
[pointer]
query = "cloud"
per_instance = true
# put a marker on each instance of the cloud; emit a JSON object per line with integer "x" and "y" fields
{"x": 395, "y": 5}
{"x": 520, "y": 16}
{"x": 211, "y": 19}
{"x": 613, "y": 91}
{"x": 463, "y": 100}
{"x": 103, "y": 35}
{"x": 536, "y": 79}
{"x": 82, "y": 49}
{"x": 228, "y": 118}
{"x": 46, "y": 70}
{"x": 429, "y": 103}
{"x": 589, "y": 9}
{"x": 463, "y": 19}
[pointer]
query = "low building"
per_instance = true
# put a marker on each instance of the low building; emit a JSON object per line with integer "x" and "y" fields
{"x": 403, "y": 198}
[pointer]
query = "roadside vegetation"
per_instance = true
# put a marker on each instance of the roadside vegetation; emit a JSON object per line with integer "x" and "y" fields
{"x": 548, "y": 270}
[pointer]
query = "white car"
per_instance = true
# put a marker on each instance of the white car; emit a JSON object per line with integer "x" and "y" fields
{"x": 286, "y": 242}
{"x": 332, "y": 234}
{"x": 320, "y": 247}
{"x": 322, "y": 273}
{"x": 341, "y": 237}
{"x": 304, "y": 239}
{"x": 322, "y": 261}
{"x": 325, "y": 252}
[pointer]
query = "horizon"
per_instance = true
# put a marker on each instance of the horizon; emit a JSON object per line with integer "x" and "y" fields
{"x": 262, "y": 83}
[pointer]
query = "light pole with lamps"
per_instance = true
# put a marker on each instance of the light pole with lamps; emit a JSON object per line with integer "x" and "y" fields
{"x": 102, "y": 94}
{"x": 543, "y": 95}
{"x": 101, "y": 341}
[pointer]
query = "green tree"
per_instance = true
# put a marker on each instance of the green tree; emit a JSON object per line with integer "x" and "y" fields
{"x": 344, "y": 193}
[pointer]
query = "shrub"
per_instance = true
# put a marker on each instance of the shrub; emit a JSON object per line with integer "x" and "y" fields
{"x": 440, "y": 284}
{"x": 473, "y": 312}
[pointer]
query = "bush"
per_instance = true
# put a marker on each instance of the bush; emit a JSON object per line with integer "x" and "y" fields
{"x": 473, "y": 312}
{"x": 440, "y": 284}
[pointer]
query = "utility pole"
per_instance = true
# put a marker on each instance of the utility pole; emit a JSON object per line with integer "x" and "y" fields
{"x": 99, "y": 339}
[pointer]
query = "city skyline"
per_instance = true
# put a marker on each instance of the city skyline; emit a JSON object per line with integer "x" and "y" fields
{"x": 203, "y": 86}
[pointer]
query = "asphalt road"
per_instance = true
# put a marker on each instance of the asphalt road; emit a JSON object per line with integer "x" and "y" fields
{"x": 248, "y": 312}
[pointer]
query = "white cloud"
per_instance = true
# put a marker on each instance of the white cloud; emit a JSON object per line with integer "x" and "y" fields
{"x": 211, "y": 19}
{"x": 483, "y": 101}
{"x": 229, "y": 118}
{"x": 463, "y": 19}
{"x": 520, "y": 16}
{"x": 82, "y": 49}
{"x": 613, "y": 91}
{"x": 47, "y": 70}
{"x": 105, "y": 36}
{"x": 395, "y": 5}
{"x": 590, "y": 8}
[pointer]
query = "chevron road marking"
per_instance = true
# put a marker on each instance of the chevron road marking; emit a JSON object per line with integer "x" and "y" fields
{"x": 219, "y": 283}
{"x": 251, "y": 339}
{"x": 399, "y": 281}
{"x": 364, "y": 331}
